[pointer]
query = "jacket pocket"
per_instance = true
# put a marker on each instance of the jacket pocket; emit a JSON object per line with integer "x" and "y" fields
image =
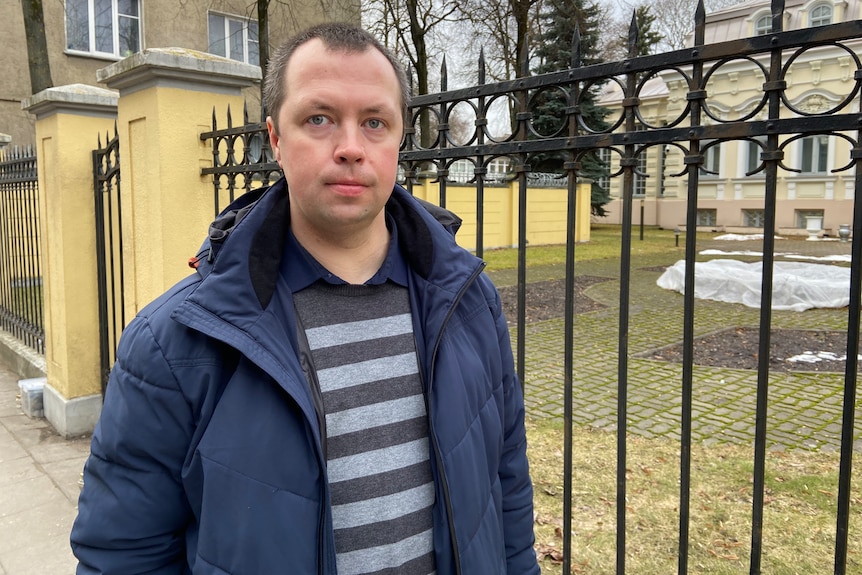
{"x": 249, "y": 527}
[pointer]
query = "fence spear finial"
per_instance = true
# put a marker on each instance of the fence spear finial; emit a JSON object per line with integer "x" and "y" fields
{"x": 700, "y": 24}
{"x": 482, "y": 65}
{"x": 576, "y": 47}
{"x": 444, "y": 76}
{"x": 634, "y": 35}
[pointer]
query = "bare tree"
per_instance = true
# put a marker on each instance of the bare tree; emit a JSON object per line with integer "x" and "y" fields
{"x": 507, "y": 28}
{"x": 674, "y": 19}
{"x": 410, "y": 29}
{"x": 37, "y": 46}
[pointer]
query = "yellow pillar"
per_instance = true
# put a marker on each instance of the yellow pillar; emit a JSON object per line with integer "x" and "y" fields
{"x": 166, "y": 101}
{"x": 68, "y": 122}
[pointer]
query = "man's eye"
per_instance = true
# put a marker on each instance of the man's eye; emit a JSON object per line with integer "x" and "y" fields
{"x": 375, "y": 124}
{"x": 317, "y": 120}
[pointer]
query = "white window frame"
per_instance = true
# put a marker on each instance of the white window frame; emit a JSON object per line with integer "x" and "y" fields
{"x": 640, "y": 180}
{"x": 93, "y": 40}
{"x": 752, "y": 155}
{"x": 803, "y": 215}
{"x": 711, "y": 161}
{"x": 249, "y": 39}
{"x": 706, "y": 217}
{"x": 604, "y": 156}
{"x": 763, "y": 25}
{"x": 753, "y": 218}
{"x": 814, "y": 154}
{"x": 817, "y": 18}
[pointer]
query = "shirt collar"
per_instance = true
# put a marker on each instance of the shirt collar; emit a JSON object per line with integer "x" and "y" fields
{"x": 305, "y": 270}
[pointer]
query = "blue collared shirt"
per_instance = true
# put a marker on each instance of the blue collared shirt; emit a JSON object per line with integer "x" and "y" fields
{"x": 305, "y": 270}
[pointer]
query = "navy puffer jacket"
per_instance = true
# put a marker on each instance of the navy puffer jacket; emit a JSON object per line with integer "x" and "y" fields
{"x": 208, "y": 457}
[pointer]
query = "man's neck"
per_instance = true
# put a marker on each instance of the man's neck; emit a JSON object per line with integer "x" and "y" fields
{"x": 354, "y": 258}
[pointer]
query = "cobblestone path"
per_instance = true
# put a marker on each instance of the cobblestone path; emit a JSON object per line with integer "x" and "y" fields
{"x": 804, "y": 407}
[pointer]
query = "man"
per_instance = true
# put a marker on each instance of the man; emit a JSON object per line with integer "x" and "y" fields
{"x": 333, "y": 391}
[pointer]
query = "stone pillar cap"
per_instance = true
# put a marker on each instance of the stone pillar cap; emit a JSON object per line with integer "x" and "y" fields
{"x": 177, "y": 65}
{"x": 73, "y": 97}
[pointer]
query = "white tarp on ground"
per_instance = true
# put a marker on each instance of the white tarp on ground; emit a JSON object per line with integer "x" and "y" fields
{"x": 796, "y": 286}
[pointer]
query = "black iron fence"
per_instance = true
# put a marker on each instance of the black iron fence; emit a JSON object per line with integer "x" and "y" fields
{"x": 629, "y": 137}
{"x": 20, "y": 259}
{"x": 109, "y": 249}
{"x": 772, "y": 124}
{"x": 242, "y": 159}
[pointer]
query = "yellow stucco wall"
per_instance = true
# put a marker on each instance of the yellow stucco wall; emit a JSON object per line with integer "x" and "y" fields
{"x": 547, "y": 210}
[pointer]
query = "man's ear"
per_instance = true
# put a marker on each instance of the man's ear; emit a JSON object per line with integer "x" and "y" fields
{"x": 273, "y": 139}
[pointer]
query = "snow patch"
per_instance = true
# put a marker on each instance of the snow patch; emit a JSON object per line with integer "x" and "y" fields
{"x": 724, "y": 253}
{"x": 833, "y": 258}
{"x": 796, "y": 286}
{"x": 817, "y": 356}
{"x": 742, "y": 237}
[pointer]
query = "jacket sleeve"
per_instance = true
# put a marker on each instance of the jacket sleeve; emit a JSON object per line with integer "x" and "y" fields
{"x": 514, "y": 468}
{"x": 132, "y": 511}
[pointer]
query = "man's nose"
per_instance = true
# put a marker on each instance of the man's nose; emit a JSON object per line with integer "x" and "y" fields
{"x": 349, "y": 146}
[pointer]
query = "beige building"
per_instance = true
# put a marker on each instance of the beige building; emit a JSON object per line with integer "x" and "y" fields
{"x": 86, "y": 35}
{"x": 731, "y": 188}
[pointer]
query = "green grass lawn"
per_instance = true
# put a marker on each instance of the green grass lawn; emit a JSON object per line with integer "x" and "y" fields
{"x": 605, "y": 242}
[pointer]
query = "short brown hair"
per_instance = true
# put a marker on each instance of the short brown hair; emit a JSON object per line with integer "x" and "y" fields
{"x": 336, "y": 36}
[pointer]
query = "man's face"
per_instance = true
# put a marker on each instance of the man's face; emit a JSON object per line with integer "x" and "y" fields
{"x": 337, "y": 140}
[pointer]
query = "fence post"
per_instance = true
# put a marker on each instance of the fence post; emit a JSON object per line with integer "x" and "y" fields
{"x": 167, "y": 97}
{"x": 68, "y": 120}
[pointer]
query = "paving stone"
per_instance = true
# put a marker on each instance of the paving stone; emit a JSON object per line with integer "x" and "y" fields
{"x": 724, "y": 400}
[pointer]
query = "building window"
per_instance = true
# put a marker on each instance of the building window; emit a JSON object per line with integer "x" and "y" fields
{"x": 763, "y": 25}
{"x": 706, "y": 217}
{"x": 802, "y": 217}
{"x": 109, "y": 27}
{"x": 711, "y": 161}
{"x": 461, "y": 171}
{"x": 820, "y": 16}
{"x": 639, "y": 188}
{"x": 753, "y": 218}
{"x": 234, "y": 38}
{"x": 604, "y": 157}
{"x": 753, "y": 149}
{"x": 499, "y": 169}
{"x": 815, "y": 154}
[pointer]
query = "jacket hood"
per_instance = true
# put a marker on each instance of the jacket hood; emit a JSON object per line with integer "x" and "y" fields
{"x": 259, "y": 220}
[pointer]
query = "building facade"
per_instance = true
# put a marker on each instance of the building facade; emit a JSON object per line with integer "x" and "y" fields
{"x": 813, "y": 191}
{"x": 86, "y": 35}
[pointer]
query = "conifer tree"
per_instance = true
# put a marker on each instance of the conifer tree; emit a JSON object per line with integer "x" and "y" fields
{"x": 648, "y": 37}
{"x": 559, "y": 22}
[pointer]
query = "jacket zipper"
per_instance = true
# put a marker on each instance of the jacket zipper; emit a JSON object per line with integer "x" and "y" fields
{"x": 306, "y": 363}
{"x": 437, "y": 456}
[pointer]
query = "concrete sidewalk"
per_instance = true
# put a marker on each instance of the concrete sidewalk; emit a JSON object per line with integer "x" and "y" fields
{"x": 39, "y": 473}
